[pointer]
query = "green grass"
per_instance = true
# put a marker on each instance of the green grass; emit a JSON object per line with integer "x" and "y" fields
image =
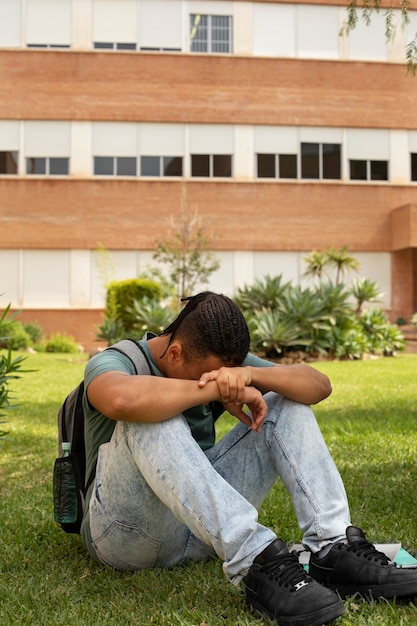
{"x": 369, "y": 423}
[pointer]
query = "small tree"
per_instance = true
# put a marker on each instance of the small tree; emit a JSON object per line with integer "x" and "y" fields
{"x": 187, "y": 254}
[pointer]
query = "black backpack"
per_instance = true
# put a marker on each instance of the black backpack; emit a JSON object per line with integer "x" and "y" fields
{"x": 71, "y": 429}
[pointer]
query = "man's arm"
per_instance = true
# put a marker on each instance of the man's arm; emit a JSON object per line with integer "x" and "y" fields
{"x": 121, "y": 396}
{"x": 299, "y": 382}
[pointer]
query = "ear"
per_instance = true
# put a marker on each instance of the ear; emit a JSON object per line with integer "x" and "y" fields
{"x": 175, "y": 352}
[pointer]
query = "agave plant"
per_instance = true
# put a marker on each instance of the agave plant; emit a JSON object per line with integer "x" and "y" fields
{"x": 274, "y": 333}
{"x": 264, "y": 293}
{"x": 151, "y": 315}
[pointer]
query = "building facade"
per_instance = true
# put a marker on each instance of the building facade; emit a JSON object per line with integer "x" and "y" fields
{"x": 278, "y": 132}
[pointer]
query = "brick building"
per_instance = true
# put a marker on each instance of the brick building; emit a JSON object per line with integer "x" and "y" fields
{"x": 281, "y": 134}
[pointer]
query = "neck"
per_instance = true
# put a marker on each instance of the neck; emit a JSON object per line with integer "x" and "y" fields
{"x": 157, "y": 346}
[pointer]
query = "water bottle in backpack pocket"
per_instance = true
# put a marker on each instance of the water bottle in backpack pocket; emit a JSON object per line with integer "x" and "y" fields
{"x": 65, "y": 488}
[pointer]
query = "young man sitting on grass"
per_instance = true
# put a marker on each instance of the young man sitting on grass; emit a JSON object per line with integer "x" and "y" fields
{"x": 166, "y": 493}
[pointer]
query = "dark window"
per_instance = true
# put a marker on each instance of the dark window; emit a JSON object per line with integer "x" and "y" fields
{"x": 222, "y": 165}
{"x": 126, "y": 166}
{"x": 126, "y": 46}
{"x": 414, "y": 167}
{"x": 266, "y": 165}
{"x": 8, "y": 162}
{"x": 220, "y": 33}
{"x": 47, "y": 45}
{"x": 200, "y": 165}
{"x": 310, "y": 160}
{"x": 216, "y": 165}
{"x": 331, "y": 161}
{"x": 199, "y": 33}
{"x": 211, "y": 33}
{"x": 150, "y": 166}
{"x": 379, "y": 170}
{"x": 58, "y": 166}
{"x": 358, "y": 169}
{"x": 36, "y": 165}
{"x": 103, "y": 166}
{"x": 103, "y": 45}
{"x": 287, "y": 165}
{"x": 172, "y": 166}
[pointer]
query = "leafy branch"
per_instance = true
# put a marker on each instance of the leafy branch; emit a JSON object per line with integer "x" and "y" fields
{"x": 366, "y": 8}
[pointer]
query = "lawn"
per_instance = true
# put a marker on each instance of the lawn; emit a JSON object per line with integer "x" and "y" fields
{"x": 369, "y": 423}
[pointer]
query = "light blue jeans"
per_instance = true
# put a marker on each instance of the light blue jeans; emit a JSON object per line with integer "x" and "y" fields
{"x": 159, "y": 500}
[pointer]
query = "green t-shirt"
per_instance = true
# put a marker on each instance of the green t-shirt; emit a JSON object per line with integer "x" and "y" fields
{"x": 99, "y": 428}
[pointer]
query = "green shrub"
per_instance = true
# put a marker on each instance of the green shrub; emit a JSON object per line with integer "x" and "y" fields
{"x": 16, "y": 337}
{"x": 414, "y": 319}
{"x": 34, "y": 330}
{"x": 60, "y": 342}
{"x": 121, "y": 296}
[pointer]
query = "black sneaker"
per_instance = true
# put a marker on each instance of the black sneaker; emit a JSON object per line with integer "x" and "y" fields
{"x": 278, "y": 587}
{"x": 359, "y": 568}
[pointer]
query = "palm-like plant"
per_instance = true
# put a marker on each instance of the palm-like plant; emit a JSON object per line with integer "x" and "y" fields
{"x": 342, "y": 261}
{"x": 316, "y": 263}
{"x": 365, "y": 290}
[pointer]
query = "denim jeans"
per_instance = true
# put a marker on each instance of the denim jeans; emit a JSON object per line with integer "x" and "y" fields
{"x": 159, "y": 500}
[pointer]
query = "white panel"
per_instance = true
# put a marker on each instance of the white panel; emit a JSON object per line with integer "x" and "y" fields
{"x": 321, "y": 135}
{"x": 276, "y": 140}
{"x": 80, "y": 278}
{"x": 161, "y": 139}
{"x": 399, "y": 168}
{"x": 115, "y": 21}
{"x": 45, "y": 139}
{"x": 275, "y": 264}
{"x": 368, "y": 42}
{"x": 48, "y": 22}
{"x": 10, "y": 23}
{"x": 244, "y": 161}
{"x": 376, "y": 266}
{"x": 411, "y": 28}
{"x": 46, "y": 278}
{"x": 211, "y": 139}
{"x": 274, "y": 30}
{"x": 243, "y": 28}
{"x": 82, "y": 20}
{"x": 160, "y": 24}
{"x": 368, "y": 144}
{"x": 9, "y": 135}
{"x": 81, "y": 141}
{"x": 9, "y": 284}
{"x": 210, "y": 8}
{"x": 318, "y": 32}
{"x": 412, "y": 140}
{"x": 114, "y": 139}
{"x": 222, "y": 281}
{"x": 244, "y": 271}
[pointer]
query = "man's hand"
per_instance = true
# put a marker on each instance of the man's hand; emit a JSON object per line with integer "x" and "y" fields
{"x": 231, "y": 382}
{"x": 234, "y": 384}
{"x": 256, "y": 404}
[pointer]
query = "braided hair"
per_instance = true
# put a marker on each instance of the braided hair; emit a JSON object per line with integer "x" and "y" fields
{"x": 211, "y": 325}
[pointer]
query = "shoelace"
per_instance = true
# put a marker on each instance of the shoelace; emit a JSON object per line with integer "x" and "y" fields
{"x": 368, "y": 550}
{"x": 285, "y": 569}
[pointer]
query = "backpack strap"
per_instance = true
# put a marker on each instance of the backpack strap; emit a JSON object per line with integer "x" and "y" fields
{"x": 134, "y": 351}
